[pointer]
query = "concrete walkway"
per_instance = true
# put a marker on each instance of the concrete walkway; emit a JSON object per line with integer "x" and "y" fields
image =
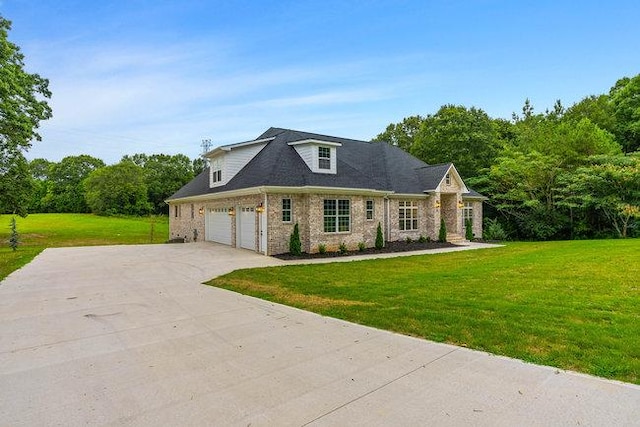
{"x": 127, "y": 335}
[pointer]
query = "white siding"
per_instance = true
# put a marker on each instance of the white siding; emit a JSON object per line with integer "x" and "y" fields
{"x": 309, "y": 153}
{"x": 234, "y": 160}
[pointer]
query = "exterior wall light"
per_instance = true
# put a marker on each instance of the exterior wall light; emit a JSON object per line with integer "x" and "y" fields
{"x": 460, "y": 204}
{"x": 201, "y": 210}
{"x": 232, "y": 211}
{"x": 437, "y": 205}
{"x": 260, "y": 208}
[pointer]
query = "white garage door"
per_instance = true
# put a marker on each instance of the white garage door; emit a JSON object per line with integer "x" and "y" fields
{"x": 248, "y": 228}
{"x": 218, "y": 226}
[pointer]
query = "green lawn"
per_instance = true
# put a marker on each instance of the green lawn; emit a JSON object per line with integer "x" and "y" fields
{"x": 574, "y": 304}
{"x": 40, "y": 231}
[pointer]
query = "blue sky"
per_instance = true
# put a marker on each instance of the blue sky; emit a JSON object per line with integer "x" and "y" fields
{"x": 158, "y": 76}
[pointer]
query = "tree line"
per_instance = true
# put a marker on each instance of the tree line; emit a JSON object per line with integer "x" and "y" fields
{"x": 566, "y": 173}
{"x": 137, "y": 185}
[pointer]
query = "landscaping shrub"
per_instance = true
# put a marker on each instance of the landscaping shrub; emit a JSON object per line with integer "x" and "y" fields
{"x": 468, "y": 230}
{"x": 295, "y": 246}
{"x": 14, "y": 238}
{"x": 322, "y": 248}
{"x": 379, "y": 238}
{"x": 442, "y": 234}
{"x": 422, "y": 239}
{"x": 361, "y": 246}
{"x": 493, "y": 230}
{"x": 342, "y": 248}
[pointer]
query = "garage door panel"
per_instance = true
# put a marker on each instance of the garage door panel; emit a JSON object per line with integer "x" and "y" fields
{"x": 248, "y": 227}
{"x": 218, "y": 226}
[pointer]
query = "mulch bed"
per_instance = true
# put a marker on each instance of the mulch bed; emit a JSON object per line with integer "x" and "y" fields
{"x": 389, "y": 247}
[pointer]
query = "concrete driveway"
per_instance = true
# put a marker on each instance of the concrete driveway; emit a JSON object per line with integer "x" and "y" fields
{"x": 127, "y": 335}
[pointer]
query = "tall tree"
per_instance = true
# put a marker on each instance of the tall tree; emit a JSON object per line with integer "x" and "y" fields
{"x": 609, "y": 186}
{"x": 402, "y": 134}
{"x": 65, "y": 192}
{"x": 22, "y": 107}
{"x": 467, "y": 137}
{"x": 164, "y": 175}
{"x": 40, "y": 173}
{"x": 625, "y": 104}
{"x": 117, "y": 189}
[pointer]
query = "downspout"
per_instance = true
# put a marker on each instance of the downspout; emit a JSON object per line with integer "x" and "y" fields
{"x": 265, "y": 230}
{"x": 387, "y": 233}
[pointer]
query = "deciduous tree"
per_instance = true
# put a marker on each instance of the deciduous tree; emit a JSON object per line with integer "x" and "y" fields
{"x": 22, "y": 107}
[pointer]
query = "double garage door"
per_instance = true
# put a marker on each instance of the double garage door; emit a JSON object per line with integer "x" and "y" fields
{"x": 218, "y": 226}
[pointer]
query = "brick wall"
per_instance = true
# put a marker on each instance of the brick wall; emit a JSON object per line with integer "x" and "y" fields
{"x": 185, "y": 220}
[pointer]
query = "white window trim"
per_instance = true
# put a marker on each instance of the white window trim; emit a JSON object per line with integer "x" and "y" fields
{"x": 408, "y": 206}
{"x": 337, "y": 217}
{"x": 324, "y": 160}
{"x": 367, "y": 210}
{"x": 290, "y": 210}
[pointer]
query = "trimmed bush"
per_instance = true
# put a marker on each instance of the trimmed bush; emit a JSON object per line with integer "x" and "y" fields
{"x": 468, "y": 229}
{"x": 361, "y": 246}
{"x": 295, "y": 246}
{"x": 442, "y": 234}
{"x": 342, "y": 248}
{"x": 322, "y": 248}
{"x": 379, "y": 238}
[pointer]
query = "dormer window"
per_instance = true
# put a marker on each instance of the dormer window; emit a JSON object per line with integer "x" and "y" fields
{"x": 320, "y": 156}
{"x": 216, "y": 170}
{"x": 324, "y": 158}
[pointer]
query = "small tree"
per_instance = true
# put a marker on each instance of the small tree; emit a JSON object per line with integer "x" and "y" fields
{"x": 295, "y": 246}
{"x": 379, "y": 238}
{"x": 442, "y": 234}
{"x": 14, "y": 238}
{"x": 468, "y": 229}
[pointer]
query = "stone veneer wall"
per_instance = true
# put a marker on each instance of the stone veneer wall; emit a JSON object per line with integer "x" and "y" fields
{"x": 183, "y": 224}
{"x": 477, "y": 218}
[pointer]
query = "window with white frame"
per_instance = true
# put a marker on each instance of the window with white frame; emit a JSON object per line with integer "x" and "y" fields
{"x": 369, "y": 209}
{"x": 286, "y": 210}
{"x": 324, "y": 158}
{"x": 467, "y": 213}
{"x": 408, "y": 215}
{"x": 216, "y": 170}
{"x": 337, "y": 216}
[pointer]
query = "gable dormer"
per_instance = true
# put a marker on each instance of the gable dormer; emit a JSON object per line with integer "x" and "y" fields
{"x": 320, "y": 156}
{"x": 452, "y": 182}
{"x": 227, "y": 160}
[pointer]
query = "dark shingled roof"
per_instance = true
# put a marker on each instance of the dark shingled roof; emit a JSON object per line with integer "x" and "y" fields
{"x": 360, "y": 164}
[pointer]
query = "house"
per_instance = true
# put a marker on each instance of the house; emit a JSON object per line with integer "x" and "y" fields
{"x": 337, "y": 190}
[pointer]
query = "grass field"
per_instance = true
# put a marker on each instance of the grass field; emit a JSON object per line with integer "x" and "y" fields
{"x": 40, "y": 231}
{"x": 573, "y": 305}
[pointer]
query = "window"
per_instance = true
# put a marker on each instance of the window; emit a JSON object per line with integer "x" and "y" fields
{"x": 216, "y": 168}
{"x": 286, "y": 210}
{"x": 467, "y": 213}
{"x": 324, "y": 158}
{"x": 408, "y": 215}
{"x": 369, "y": 209}
{"x": 337, "y": 216}
{"x": 447, "y": 179}
{"x": 192, "y": 211}
{"x": 176, "y": 211}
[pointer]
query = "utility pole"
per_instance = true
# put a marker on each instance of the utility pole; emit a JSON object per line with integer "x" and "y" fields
{"x": 206, "y": 145}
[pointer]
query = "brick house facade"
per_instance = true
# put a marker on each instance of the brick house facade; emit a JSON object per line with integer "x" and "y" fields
{"x": 255, "y": 192}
